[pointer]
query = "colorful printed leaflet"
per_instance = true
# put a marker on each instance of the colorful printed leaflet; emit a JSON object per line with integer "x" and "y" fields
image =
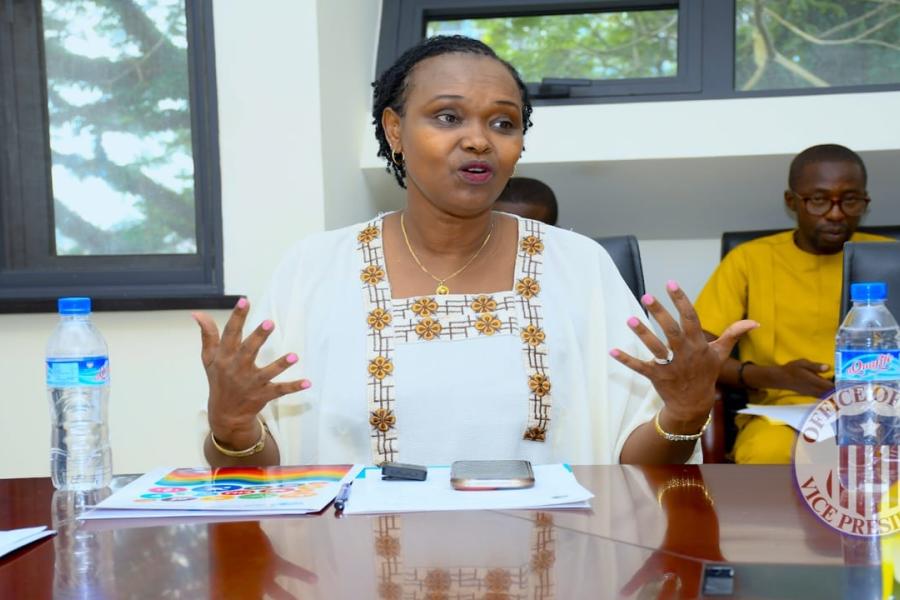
{"x": 271, "y": 489}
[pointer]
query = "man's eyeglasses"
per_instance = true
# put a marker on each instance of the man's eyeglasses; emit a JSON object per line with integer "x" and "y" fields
{"x": 852, "y": 204}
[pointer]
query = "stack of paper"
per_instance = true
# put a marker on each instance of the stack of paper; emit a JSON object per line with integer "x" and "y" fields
{"x": 244, "y": 491}
{"x": 14, "y": 539}
{"x": 554, "y": 487}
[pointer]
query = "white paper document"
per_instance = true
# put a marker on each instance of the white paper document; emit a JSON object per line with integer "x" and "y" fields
{"x": 789, "y": 414}
{"x": 13, "y": 539}
{"x": 554, "y": 487}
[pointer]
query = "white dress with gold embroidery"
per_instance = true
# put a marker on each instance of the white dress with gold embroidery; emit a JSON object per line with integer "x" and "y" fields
{"x": 523, "y": 373}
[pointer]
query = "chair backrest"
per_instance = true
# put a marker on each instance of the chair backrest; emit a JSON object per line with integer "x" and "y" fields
{"x": 730, "y": 239}
{"x": 872, "y": 261}
{"x": 624, "y": 251}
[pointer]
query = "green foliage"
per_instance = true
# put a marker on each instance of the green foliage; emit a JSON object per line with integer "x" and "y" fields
{"x": 119, "y": 67}
{"x": 613, "y": 45}
{"x": 784, "y": 44}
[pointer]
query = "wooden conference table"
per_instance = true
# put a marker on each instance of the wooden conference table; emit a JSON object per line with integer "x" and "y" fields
{"x": 652, "y": 533}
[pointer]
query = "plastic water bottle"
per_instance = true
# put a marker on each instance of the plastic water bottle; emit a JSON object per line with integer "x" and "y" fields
{"x": 867, "y": 384}
{"x": 78, "y": 387}
{"x": 867, "y": 366}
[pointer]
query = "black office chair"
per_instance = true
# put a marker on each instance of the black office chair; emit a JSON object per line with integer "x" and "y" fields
{"x": 872, "y": 261}
{"x": 624, "y": 251}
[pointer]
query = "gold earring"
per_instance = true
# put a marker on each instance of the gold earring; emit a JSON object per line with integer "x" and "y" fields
{"x": 394, "y": 154}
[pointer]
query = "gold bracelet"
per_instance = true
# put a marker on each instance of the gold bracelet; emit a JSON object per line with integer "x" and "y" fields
{"x": 682, "y": 483}
{"x": 680, "y": 437}
{"x": 254, "y": 449}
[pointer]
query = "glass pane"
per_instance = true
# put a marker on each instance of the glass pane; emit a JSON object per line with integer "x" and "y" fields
{"x": 792, "y": 44}
{"x": 612, "y": 45}
{"x": 120, "y": 126}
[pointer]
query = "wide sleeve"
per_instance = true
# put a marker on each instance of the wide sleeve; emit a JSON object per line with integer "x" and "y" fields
{"x": 723, "y": 299}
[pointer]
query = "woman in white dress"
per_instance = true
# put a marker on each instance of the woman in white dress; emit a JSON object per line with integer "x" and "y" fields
{"x": 449, "y": 331}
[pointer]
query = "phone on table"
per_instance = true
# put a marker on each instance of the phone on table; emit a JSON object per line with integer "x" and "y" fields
{"x": 473, "y": 475}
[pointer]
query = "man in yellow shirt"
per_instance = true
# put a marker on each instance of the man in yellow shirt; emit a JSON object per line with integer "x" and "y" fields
{"x": 790, "y": 283}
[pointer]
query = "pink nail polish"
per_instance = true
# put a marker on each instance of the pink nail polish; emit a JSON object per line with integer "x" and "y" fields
{"x": 614, "y": 353}
{"x": 672, "y": 285}
{"x": 242, "y": 303}
{"x": 291, "y": 358}
{"x": 267, "y": 325}
{"x": 305, "y": 385}
{"x": 633, "y": 322}
{"x": 647, "y": 299}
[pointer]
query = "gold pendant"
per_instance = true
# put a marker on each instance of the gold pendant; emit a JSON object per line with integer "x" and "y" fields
{"x": 442, "y": 290}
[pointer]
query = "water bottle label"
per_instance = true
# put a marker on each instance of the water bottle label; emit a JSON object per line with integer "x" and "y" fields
{"x": 69, "y": 372}
{"x": 866, "y": 365}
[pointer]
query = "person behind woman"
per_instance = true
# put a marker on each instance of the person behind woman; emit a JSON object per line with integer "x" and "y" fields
{"x": 447, "y": 330}
{"x": 529, "y": 198}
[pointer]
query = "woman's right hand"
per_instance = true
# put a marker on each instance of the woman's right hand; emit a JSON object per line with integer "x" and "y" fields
{"x": 238, "y": 389}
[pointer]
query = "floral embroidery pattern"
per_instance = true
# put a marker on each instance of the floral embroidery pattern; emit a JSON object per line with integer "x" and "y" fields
{"x": 372, "y": 275}
{"x": 382, "y": 419}
{"x": 387, "y": 546}
{"x": 542, "y": 560}
{"x": 425, "y": 307}
{"x": 390, "y": 590}
{"x": 398, "y": 579}
{"x": 456, "y": 317}
{"x": 437, "y": 580}
{"x": 535, "y": 434}
{"x": 532, "y": 245}
{"x": 484, "y": 304}
{"x": 497, "y": 580}
{"x": 532, "y": 335}
{"x": 488, "y": 324}
{"x": 528, "y": 288}
{"x": 380, "y": 367}
{"x": 539, "y": 384}
{"x": 368, "y": 234}
{"x": 379, "y": 319}
{"x": 428, "y": 328}
{"x": 376, "y": 296}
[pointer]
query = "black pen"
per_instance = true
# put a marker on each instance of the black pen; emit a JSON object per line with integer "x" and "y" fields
{"x": 343, "y": 496}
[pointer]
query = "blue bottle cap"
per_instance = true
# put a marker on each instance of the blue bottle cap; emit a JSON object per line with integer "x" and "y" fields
{"x": 872, "y": 290}
{"x": 74, "y": 306}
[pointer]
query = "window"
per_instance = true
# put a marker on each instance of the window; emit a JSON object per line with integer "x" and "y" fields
{"x": 640, "y": 50}
{"x": 794, "y": 44}
{"x": 109, "y": 180}
{"x": 572, "y": 50}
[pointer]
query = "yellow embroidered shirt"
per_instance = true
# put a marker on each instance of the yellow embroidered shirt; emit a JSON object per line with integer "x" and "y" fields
{"x": 794, "y": 295}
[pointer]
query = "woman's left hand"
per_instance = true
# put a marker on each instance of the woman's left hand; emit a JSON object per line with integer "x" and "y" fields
{"x": 685, "y": 370}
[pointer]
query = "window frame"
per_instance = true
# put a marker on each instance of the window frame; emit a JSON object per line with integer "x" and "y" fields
{"x": 29, "y": 268}
{"x": 706, "y": 40}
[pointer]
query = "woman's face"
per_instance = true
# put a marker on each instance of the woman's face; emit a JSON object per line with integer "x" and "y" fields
{"x": 461, "y": 133}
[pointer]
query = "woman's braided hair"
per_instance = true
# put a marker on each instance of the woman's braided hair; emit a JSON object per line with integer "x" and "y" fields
{"x": 391, "y": 86}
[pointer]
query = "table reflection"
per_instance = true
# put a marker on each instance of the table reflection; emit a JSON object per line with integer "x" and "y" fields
{"x": 648, "y": 535}
{"x": 246, "y": 564}
{"x": 692, "y": 530}
{"x": 84, "y": 565}
{"x": 424, "y": 573}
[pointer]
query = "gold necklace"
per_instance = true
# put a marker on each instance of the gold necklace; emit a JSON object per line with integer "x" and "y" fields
{"x": 442, "y": 289}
